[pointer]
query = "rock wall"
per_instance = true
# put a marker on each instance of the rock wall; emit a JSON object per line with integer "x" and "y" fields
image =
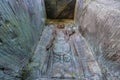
{"x": 21, "y": 24}
{"x": 99, "y": 23}
{"x": 38, "y": 67}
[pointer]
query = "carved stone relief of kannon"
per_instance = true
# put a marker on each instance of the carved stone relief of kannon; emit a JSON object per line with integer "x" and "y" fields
{"x": 62, "y": 61}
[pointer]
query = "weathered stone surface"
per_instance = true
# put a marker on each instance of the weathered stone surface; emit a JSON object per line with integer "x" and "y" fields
{"x": 35, "y": 68}
{"x": 84, "y": 61}
{"x": 60, "y": 9}
{"x": 21, "y": 23}
{"x": 90, "y": 67}
{"x": 99, "y": 24}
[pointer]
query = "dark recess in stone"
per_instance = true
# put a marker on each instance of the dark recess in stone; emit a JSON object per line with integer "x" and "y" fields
{"x": 7, "y": 21}
{"x": 13, "y": 35}
{"x": 1, "y": 41}
{"x": 2, "y": 68}
{"x": 60, "y": 9}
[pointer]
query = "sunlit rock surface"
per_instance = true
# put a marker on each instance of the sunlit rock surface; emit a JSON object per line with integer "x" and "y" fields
{"x": 21, "y": 23}
{"x": 99, "y": 24}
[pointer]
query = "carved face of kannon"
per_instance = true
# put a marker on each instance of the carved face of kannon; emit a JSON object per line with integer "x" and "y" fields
{"x": 60, "y": 26}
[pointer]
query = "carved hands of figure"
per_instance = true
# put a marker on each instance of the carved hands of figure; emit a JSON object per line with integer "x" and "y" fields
{"x": 58, "y": 27}
{"x": 70, "y": 32}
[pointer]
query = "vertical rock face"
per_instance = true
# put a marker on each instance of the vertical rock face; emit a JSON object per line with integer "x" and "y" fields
{"x": 99, "y": 23}
{"x": 21, "y": 23}
{"x": 78, "y": 11}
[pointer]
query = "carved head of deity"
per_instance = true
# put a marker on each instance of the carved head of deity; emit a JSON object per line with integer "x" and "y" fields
{"x": 60, "y": 26}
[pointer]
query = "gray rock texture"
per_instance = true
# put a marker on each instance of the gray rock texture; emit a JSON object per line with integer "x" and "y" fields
{"x": 24, "y": 37}
{"x": 99, "y": 24}
{"x": 20, "y": 28}
{"x": 85, "y": 64}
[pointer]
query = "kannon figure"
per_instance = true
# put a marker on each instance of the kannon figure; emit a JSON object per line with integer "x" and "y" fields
{"x": 62, "y": 63}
